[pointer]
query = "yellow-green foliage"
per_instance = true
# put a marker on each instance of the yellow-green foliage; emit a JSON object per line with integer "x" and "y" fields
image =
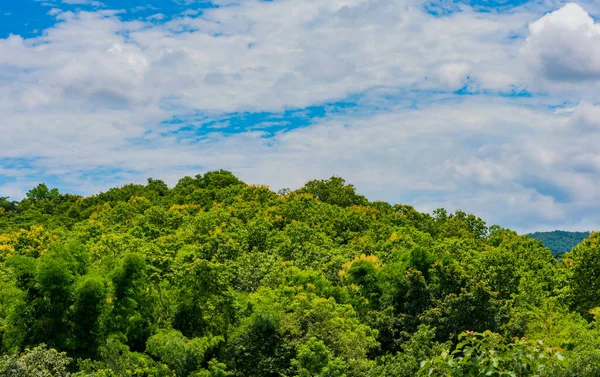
{"x": 214, "y": 277}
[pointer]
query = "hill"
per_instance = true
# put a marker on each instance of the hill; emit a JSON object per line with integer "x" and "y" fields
{"x": 560, "y": 241}
{"x": 214, "y": 278}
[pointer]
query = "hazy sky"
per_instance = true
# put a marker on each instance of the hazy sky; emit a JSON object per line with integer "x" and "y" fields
{"x": 488, "y": 106}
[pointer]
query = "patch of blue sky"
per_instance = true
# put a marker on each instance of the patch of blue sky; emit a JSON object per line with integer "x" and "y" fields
{"x": 525, "y": 97}
{"x": 547, "y": 188}
{"x": 17, "y": 162}
{"x": 192, "y": 128}
{"x": 106, "y": 176}
{"x": 385, "y": 98}
{"x": 51, "y": 181}
{"x": 563, "y": 105}
{"x": 55, "y": 181}
{"x": 101, "y": 178}
{"x": 29, "y": 18}
{"x": 13, "y": 168}
{"x": 30, "y": 170}
{"x": 198, "y": 126}
{"x": 377, "y": 101}
{"x": 512, "y": 92}
{"x": 103, "y": 171}
{"x": 446, "y": 7}
{"x": 4, "y": 179}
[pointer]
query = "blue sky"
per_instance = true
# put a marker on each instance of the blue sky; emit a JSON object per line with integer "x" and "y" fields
{"x": 486, "y": 106}
{"x": 29, "y": 18}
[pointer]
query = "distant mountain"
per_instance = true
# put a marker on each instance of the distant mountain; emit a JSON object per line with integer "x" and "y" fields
{"x": 560, "y": 241}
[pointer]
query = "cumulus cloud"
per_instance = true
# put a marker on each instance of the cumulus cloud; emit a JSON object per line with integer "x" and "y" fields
{"x": 264, "y": 55}
{"x": 565, "y": 44}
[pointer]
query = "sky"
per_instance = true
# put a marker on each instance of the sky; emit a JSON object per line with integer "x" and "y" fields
{"x": 488, "y": 106}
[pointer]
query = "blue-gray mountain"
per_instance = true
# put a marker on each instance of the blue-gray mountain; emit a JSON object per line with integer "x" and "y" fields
{"x": 560, "y": 241}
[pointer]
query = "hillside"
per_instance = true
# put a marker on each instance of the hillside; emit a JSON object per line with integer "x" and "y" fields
{"x": 214, "y": 277}
{"x": 560, "y": 241}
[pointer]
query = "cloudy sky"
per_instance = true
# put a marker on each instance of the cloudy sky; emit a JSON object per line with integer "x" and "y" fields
{"x": 490, "y": 106}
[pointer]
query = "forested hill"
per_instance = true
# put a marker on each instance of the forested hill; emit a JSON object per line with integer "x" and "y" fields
{"x": 560, "y": 241}
{"x": 214, "y": 277}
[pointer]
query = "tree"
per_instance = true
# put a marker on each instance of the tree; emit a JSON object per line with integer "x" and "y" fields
{"x": 487, "y": 354}
{"x": 7, "y": 205}
{"x": 88, "y": 308}
{"x": 158, "y": 187}
{"x": 585, "y": 280}
{"x": 205, "y": 304}
{"x": 334, "y": 191}
{"x": 35, "y": 362}
{"x": 182, "y": 355}
{"x": 41, "y": 315}
{"x": 217, "y": 180}
{"x": 315, "y": 360}
{"x": 257, "y": 347}
{"x": 41, "y": 192}
{"x": 132, "y": 312}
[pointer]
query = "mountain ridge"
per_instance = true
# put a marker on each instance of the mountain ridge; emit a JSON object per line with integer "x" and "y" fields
{"x": 560, "y": 241}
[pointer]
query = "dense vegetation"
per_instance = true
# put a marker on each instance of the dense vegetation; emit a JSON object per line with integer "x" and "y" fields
{"x": 214, "y": 277}
{"x": 560, "y": 241}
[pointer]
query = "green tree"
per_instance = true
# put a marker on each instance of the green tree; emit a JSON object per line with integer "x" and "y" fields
{"x": 315, "y": 360}
{"x": 132, "y": 311}
{"x": 36, "y": 362}
{"x": 182, "y": 355}
{"x": 88, "y": 307}
{"x": 487, "y": 354}
{"x": 205, "y": 304}
{"x": 334, "y": 191}
{"x": 585, "y": 280}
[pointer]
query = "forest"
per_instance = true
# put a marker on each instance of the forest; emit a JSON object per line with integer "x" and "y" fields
{"x": 214, "y": 277}
{"x": 560, "y": 241}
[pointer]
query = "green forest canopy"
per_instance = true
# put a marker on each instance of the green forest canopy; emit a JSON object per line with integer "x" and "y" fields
{"x": 214, "y": 277}
{"x": 560, "y": 241}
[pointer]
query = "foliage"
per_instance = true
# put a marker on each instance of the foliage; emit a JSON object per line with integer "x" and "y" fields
{"x": 488, "y": 354}
{"x": 560, "y": 241}
{"x": 35, "y": 362}
{"x": 217, "y": 278}
{"x": 183, "y": 356}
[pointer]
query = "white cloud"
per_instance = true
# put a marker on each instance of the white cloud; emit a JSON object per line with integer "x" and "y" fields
{"x": 565, "y": 45}
{"x": 267, "y": 55}
{"x": 84, "y": 2}
{"x": 54, "y": 11}
{"x": 453, "y": 74}
{"x": 156, "y": 17}
{"x": 510, "y": 164}
{"x": 88, "y": 98}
